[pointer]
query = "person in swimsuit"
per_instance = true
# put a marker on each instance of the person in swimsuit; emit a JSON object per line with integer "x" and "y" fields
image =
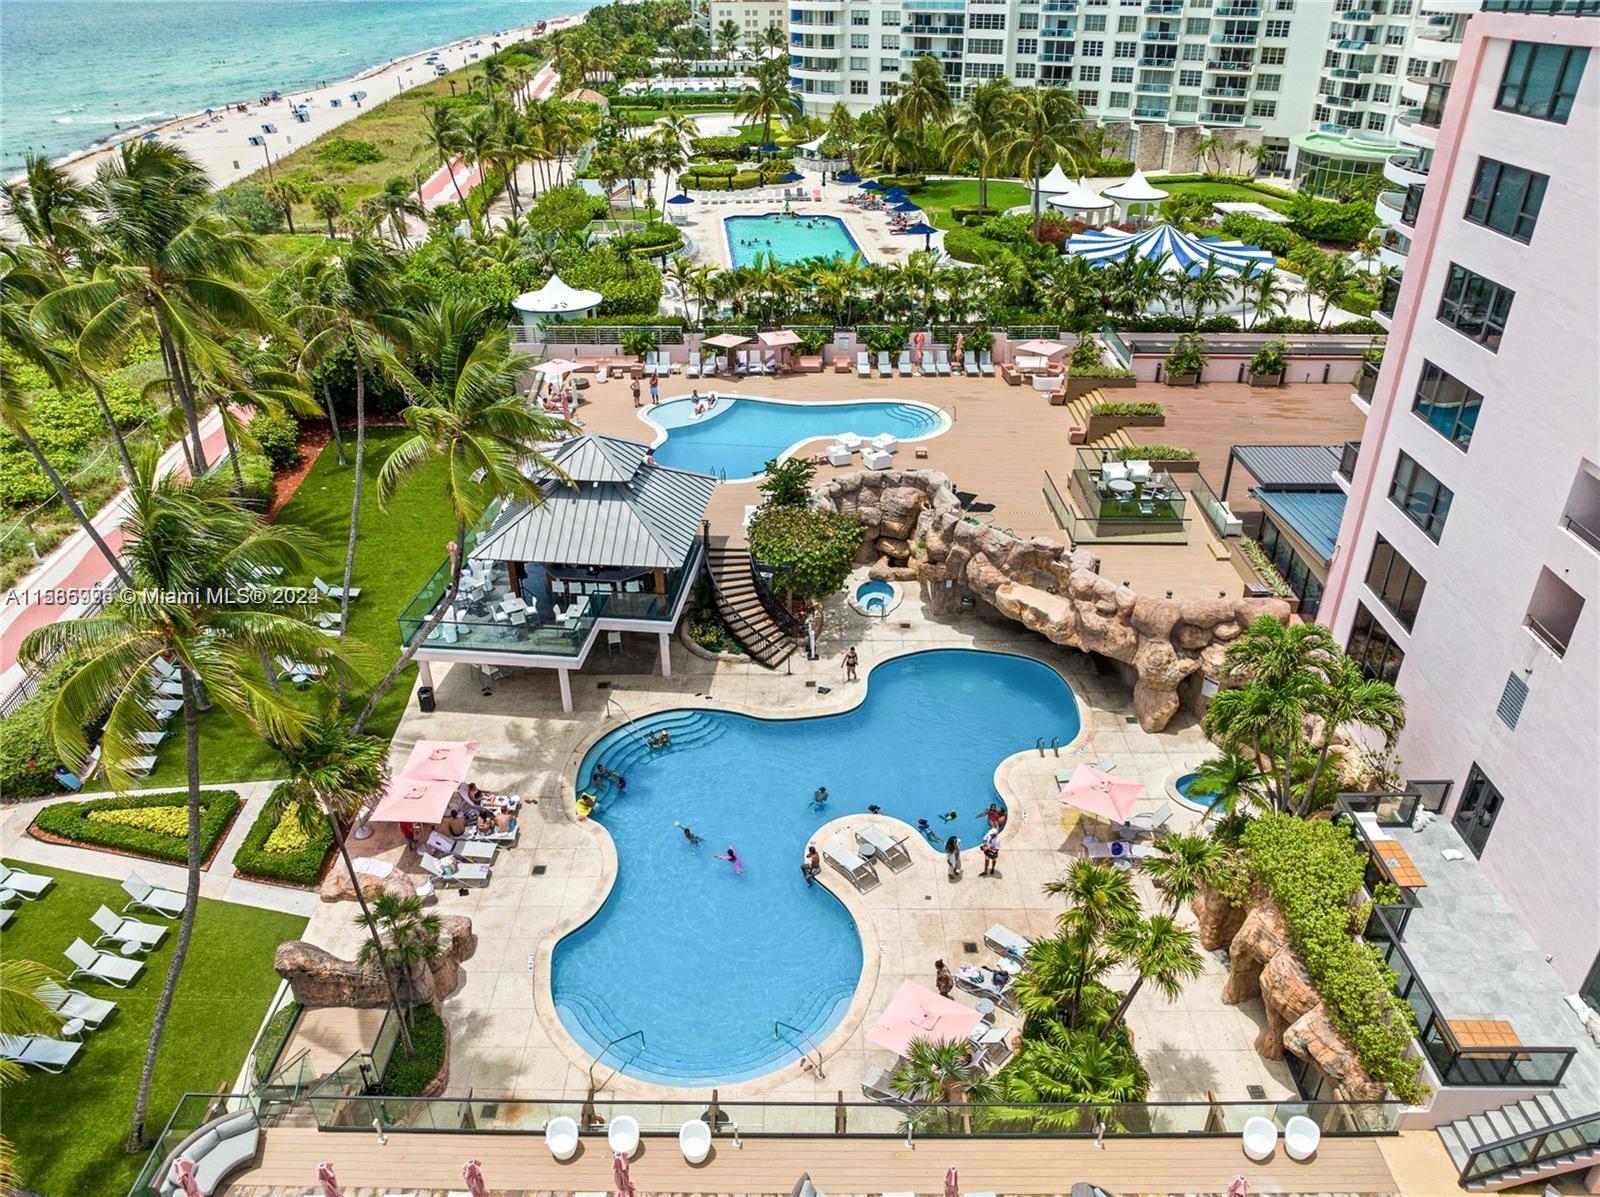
{"x": 812, "y": 867}
{"x": 952, "y": 858}
{"x": 688, "y": 834}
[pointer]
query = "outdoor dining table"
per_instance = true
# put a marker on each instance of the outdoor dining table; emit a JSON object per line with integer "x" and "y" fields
{"x": 512, "y": 603}
{"x": 1120, "y": 487}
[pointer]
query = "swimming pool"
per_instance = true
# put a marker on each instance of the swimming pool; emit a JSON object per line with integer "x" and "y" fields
{"x": 787, "y": 238}
{"x": 737, "y": 437}
{"x": 1204, "y": 801}
{"x": 705, "y": 962}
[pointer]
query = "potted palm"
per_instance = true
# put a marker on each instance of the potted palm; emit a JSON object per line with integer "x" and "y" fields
{"x": 1269, "y": 365}
{"x": 1185, "y": 361}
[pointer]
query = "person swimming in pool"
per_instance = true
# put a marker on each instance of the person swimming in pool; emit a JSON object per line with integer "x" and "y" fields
{"x": 586, "y": 804}
{"x": 950, "y": 816}
{"x": 820, "y": 798}
{"x": 732, "y": 858}
{"x": 928, "y": 833}
{"x": 874, "y": 809}
{"x": 995, "y": 815}
{"x": 688, "y": 834}
{"x": 660, "y": 739}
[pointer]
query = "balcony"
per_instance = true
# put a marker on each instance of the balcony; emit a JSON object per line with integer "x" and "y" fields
{"x": 1164, "y": 7}
{"x": 1347, "y": 460}
{"x": 1231, "y": 65}
{"x": 1059, "y": 6}
{"x": 1150, "y": 114}
{"x": 1584, "y": 530}
{"x": 1547, "y": 636}
{"x": 1237, "y": 10}
{"x": 1388, "y": 206}
{"x": 1366, "y": 383}
{"x": 1222, "y": 118}
{"x": 1158, "y": 35}
{"x": 1393, "y": 249}
{"x": 1156, "y": 88}
{"x": 1233, "y": 39}
{"x": 1157, "y": 63}
{"x": 1440, "y": 49}
{"x": 920, "y": 30}
{"x": 1232, "y": 93}
{"x": 941, "y": 55}
{"x": 1405, "y": 169}
{"x": 1387, "y": 300}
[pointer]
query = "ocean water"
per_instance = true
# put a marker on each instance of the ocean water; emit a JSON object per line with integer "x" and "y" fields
{"x": 72, "y": 71}
{"x": 706, "y": 962}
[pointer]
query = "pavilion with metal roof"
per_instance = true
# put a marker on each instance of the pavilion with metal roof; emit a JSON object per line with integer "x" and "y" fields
{"x": 1302, "y": 504}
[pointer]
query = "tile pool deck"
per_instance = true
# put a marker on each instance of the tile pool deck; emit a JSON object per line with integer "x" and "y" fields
{"x": 506, "y": 1036}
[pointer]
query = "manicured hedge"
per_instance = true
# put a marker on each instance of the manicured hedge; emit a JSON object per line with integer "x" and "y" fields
{"x": 1125, "y": 409}
{"x": 256, "y": 857}
{"x": 70, "y": 821}
{"x": 27, "y": 755}
{"x": 410, "y": 1077}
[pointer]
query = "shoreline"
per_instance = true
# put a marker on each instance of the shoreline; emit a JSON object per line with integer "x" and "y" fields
{"x": 232, "y": 157}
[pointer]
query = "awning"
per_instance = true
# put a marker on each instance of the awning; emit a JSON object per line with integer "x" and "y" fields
{"x": 1177, "y": 251}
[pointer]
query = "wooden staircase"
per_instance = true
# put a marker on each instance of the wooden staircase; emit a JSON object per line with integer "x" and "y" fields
{"x": 739, "y": 603}
{"x": 1078, "y": 413}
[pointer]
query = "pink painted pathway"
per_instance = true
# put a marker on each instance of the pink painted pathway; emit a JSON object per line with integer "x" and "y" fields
{"x": 440, "y": 187}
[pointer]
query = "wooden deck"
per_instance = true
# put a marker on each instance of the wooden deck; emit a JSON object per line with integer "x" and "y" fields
{"x": 418, "y": 1163}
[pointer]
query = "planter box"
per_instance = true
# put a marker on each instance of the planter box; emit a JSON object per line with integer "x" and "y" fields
{"x": 1267, "y": 380}
{"x": 1105, "y": 425}
{"x": 1182, "y": 380}
{"x": 1082, "y": 385}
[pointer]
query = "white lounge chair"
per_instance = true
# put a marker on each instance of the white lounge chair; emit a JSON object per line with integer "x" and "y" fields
{"x": 969, "y": 365}
{"x": 25, "y": 885}
{"x": 335, "y": 592}
{"x": 878, "y": 1085}
{"x": 69, "y": 1004}
{"x": 985, "y": 363}
{"x": 622, "y": 1136}
{"x": 886, "y": 847}
{"x": 885, "y": 370}
{"x": 39, "y": 1051}
{"x": 149, "y": 739}
{"x": 692, "y": 370}
{"x": 153, "y": 898}
{"x": 886, "y": 441}
{"x": 1259, "y": 1138}
{"x": 1148, "y": 821}
{"x": 1105, "y": 765}
{"x": 1115, "y": 850}
{"x": 983, "y": 982}
{"x": 845, "y": 859}
{"x": 694, "y": 1140}
{"x": 941, "y": 362}
{"x": 561, "y": 1137}
{"x": 839, "y": 455}
{"x": 850, "y": 441}
{"x": 119, "y": 929}
{"x": 1301, "y": 1137}
{"x": 903, "y": 363}
{"x": 466, "y": 849}
{"x": 876, "y": 459}
{"x": 102, "y": 966}
{"x": 1003, "y": 939}
{"x": 453, "y": 871}
{"x": 863, "y": 364}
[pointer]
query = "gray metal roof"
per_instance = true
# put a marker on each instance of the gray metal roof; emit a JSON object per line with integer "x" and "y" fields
{"x": 614, "y": 511}
{"x": 1297, "y": 467}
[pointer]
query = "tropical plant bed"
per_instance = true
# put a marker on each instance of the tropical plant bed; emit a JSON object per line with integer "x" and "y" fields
{"x": 419, "y": 1074}
{"x": 151, "y": 826}
{"x": 276, "y": 850}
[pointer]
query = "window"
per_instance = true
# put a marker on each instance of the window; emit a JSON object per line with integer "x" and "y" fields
{"x": 1541, "y": 80}
{"x": 1553, "y": 612}
{"x": 860, "y": 41}
{"x": 1027, "y": 45}
{"x": 1506, "y": 198}
{"x": 1424, "y": 499}
{"x": 1475, "y": 307}
{"x": 1396, "y": 583}
{"x": 859, "y": 17}
{"x": 1372, "y": 648}
{"x": 1093, "y": 49}
{"x": 1127, "y": 50}
{"x": 1027, "y": 20}
{"x": 1272, "y": 56}
{"x": 1264, "y": 108}
{"x": 1476, "y": 812}
{"x": 984, "y": 70}
{"x": 1194, "y": 52}
{"x": 1382, "y": 93}
{"x": 1581, "y": 513}
{"x": 1387, "y": 64}
{"x": 1023, "y": 70}
{"x": 1280, "y": 550}
{"x": 1448, "y": 404}
{"x": 1089, "y": 74}
{"x": 1268, "y": 82}
{"x": 1376, "y": 122}
{"x": 859, "y": 63}
{"x": 986, "y": 45}
{"x": 1119, "y": 99}
{"x": 1197, "y": 26}
{"x": 888, "y": 87}
{"x": 888, "y": 41}
{"x": 1127, "y": 24}
{"x": 1275, "y": 29}
{"x": 858, "y": 87}
{"x": 1089, "y": 99}
{"x": 1094, "y": 23}
{"x": 889, "y": 65}
{"x": 1189, "y": 78}
{"x": 1121, "y": 74}
{"x": 987, "y": 20}
{"x": 888, "y": 17}
{"x": 1186, "y": 104}
{"x": 1401, "y": 8}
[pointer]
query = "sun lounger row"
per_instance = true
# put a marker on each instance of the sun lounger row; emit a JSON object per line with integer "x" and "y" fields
{"x": 934, "y": 363}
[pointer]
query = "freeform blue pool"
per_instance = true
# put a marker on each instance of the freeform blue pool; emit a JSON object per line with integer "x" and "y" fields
{"x": 706, "y": 962}
{"x": 787, "y": 238}
{"x": 738, "y": 436}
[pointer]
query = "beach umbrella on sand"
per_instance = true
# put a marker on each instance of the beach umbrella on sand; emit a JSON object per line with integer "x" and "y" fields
{"x": 183, "y": 1176}
{"x": 952, "y": 1184}
{"x": 619, "y": 1175}
{"x": 329, "y": 1182}
{"x": 472, "y": 1173}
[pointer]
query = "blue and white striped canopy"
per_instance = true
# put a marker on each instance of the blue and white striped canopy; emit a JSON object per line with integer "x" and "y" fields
{"x": 1177, "y": 251}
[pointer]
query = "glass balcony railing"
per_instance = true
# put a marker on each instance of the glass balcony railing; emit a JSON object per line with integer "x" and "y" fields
{"x": 1158, "y": 35}
{"x": 1366, "y": 385}
{"x": 1391, "y": 293}
{"x": 1233, "y": 39}
{"x": 1348, "y": 459}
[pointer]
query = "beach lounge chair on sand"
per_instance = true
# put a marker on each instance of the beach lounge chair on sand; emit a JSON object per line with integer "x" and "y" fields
{"x": 39, "y": 1051}
{"x": 455, "y": 872}
{"x": 889, "y": 849}
{"x": 68, "y": 1004}
{"x": 102, "y": 966}
{"x": 24, "y": 885}
{"x": 863, "y": 364}
{"x": 885, "y": 370}
{"x": 1003, "y": 939}
{"x": 844, "y": 858}
{"x": 119, "y": 930}
{"x": 153, "y": 898}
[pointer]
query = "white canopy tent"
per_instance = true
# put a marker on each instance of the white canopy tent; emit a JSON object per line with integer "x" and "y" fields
{"x": 1136, "y": 191}
{"x": 555, "y": 301}
{"x": 1080, "y": 198}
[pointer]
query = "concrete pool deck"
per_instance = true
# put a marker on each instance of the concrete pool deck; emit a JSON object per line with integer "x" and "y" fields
{"x": 507, "y": 1038}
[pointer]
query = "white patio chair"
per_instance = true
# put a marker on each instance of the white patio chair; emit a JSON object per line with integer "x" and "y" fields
{"x": 889, "y": 849}
{"x": 69, "y": 1004}
{"x": 119, "y": 929}
{"x": 1003, "y": 939}
{"x": 454, "y": 872}
{"x": 1301, "y": 1137}
{"x": 847, "y": 861}
{"x": 622, "y": 1136}
{"x": 25, "y": 885}
{"x": 39, "y": 1051}
{"x": 886, "y": 441}
{"x": 694, "y": 1140}
{"x": 143, "y": 896}
{"x": 1259, "y": 1138}
{"x": 839, "y": 455}
{"x": 102, "y": 966}
{"x": 561, "y": 1137}
{"x": 863, "y": 364}
{"x": 876, "y": 459}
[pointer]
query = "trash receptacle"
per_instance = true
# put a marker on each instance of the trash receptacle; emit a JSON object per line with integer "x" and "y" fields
{"x": 425, "y": 698}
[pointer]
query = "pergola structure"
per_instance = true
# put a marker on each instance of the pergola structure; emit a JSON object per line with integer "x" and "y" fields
{"x": 613, "y": 548}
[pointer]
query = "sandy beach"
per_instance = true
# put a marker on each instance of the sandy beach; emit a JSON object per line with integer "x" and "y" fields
{"x": 221, "y": 142}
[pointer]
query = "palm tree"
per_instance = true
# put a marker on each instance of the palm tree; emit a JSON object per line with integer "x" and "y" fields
{"x": 1332, "y": 276}
{"x": 1183, "y": 865}
{"x": 924, "y": 99}
{"x": 1062, "y": 1067}
{"x": 1043, "y": 134}
{"x": 351, "y": 303}
{"x": 1229, "y": 780}
{"x": 327, "y": 202}
{"x": 941, "y": 1072}
{"x": 1350, "y": 697}
{"x": 442, "y": 139}
{"x": 469, "y": 416}
{"x": 1059, "y": 970}
{"x": 284, "y": 195}
{"x": 1099, "y": 898}
{"x": 189, "y": 545}
{"x": 773, "y": 38}
{"x": 1209, "y": 150}
{"x": 1209, "y": 287}
{"x": 402, "y": 939}
{"x": 769, "y": 98}
{"x": 1264, "y": 293}
{"x": 727, "y": 38}
{"x": 979, "y": 128}
{"x": 394, "y": 206}
{"x": 52, "y": 209}
{"x": 1161, "y": 952}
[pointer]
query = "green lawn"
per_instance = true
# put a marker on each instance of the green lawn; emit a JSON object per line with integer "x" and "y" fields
{"x": 397, "y": 552}
{"x": 938, "y": 196}
{"x": 69, "y": 1130}
{"x": 1225, "y": 193}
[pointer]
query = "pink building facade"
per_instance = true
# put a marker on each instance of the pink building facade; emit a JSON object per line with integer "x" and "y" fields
{"x": 1468, "y": 563}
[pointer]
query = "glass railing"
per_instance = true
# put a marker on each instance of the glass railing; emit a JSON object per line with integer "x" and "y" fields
{"x": 192, "y": 1111}
{"x": 1367, "y": 380}
{"x": 1390, "y": 295}
{"x": 1527, "y": 1153}
{"x": 1212, "y": 508}
{"x": 1348, "y": 458}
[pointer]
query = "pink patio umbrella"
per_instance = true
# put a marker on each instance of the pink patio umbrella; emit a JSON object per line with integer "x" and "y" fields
{"x": 329, "y": 1182}
{"x": 952, "y": 1183}
{"x": 917, "y": 1012}
{"x": 407, "y": 800}
{"x": 472, "y": 1173}
{"x": 556, "y": 367}
{"x": 619, "y": 1175}
{"x": 782, "y": 338}
{"x": 1100, "y": 794}
{"x": 727, "y": 341}
{"x": 960, "y": 349}
{"x": 1239, "y": 1187}
{"x": 183, "y": 1176}
{"x": 1041, "y": 348}
{"x": 440, "y": 760}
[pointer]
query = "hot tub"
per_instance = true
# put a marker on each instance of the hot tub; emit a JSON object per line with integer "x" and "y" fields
{"x": 875, "y": 598}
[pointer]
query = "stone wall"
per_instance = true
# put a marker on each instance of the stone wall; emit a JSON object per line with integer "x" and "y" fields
{"x": 915, "y": 516}
{"x": 318, "y": 978}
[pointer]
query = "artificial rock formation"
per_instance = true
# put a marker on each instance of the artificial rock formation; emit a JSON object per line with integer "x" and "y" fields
{"x": 318, "y": 978}
{"x": 336, "y": 886}
{"x": 918, "y": 531}
{"x": 1261, "y": 962}
{"x": 1218, "y": 920}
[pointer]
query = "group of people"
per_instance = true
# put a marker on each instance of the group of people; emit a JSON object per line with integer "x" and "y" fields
{"x": 703, "y": 405}
{"x": 472, "y": 810}
{"x": 598, "y": 777}
{"x": 654, "y": 382}
{"x": 994, "y": 816}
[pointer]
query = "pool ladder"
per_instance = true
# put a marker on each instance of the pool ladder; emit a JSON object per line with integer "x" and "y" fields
{"x": 778, "y": 1029}
{"x": 1054, "y": 745}
{"x": 628, "y": 720}
{"x": 601, "y": 1055}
